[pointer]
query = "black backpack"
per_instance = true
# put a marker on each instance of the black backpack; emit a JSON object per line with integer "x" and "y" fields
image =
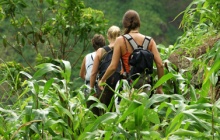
{"x": 104, "y": 63}
{"x": 141, "y": 59}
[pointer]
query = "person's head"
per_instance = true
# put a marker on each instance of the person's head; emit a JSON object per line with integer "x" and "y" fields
{"x": 98, "y": 41}
{"x": 131, "y": 21}
{"x": 113, "y": 32}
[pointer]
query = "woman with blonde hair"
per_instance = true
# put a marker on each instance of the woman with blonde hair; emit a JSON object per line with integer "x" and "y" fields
{"x": 106, "y": 94}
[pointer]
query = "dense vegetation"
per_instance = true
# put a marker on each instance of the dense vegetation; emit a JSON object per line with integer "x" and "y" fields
{"x": 31, "y": 40}
{"x": 39, "y": 102}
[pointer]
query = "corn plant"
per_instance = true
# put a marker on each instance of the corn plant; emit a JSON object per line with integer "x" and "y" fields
{"x": 48, "y": 108}
{"x": 51, "y": 109}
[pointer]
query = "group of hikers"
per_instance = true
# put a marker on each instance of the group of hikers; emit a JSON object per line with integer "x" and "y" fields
{"x": 120, "y": 50}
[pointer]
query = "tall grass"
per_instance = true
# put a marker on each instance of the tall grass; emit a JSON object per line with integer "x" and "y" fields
{"x": 46, "y": 107}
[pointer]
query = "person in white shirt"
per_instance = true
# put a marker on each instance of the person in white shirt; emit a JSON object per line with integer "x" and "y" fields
{"x": 98, "y": 41}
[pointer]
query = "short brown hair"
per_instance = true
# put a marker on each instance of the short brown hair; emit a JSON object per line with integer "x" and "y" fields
{"x": 131, "y": 21}
{"x": 98, "y": 41}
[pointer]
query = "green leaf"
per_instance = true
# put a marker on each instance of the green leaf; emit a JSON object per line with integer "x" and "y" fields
{"x": 131, "y": 108}
{"x": 217, "y": 104}
{"x": 152, "y": 116}
{"x": 175, "y": 124}
{"x": 26, "y": 74}
{"x": 213, "y": 69}
{"x": 4, "y": 42}
{"x": 155, "y": 135}
{"x": 102, "y": 119}
{"x": 205, "y": 89}
{"x": 48, "y": 85}
{"x": 67, "y": 72}
{"x": 199, "y": 106}
{"x": 28, "y": 111}
{"x": 108, "y": 135}
{"x": 17, "y": 39}
{"x": 110, "y": 116}
{"x": 214, "y": 79}
{"x": 25, "y": 91}
{"x": 189, "y": 114}
{"x": 193, "y": 93}
{"x": 163, "y": 80}
{"x": 63, "y": 110}
{"x": 50, "y": 123}
{"x": 22, "y": 42}
{"x": 35, "y": 128}
{"x": 161, "y": 97}
{"x": 188, "y": 133}
{"x": 45, "y": 68}
{"x": 11, "y": 112}
{"x": 138, "y": 115}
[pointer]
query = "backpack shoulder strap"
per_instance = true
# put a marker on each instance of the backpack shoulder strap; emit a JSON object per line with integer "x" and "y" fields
{"x": 89, "y": 60}
{"x": 107, "y": 48}
{"x": 146, "y": 42}
{"x": 105, "y": 51}
{"x": 92, "y": 57}
{"x": 131, "y": 41}
{"x": 93, "y": 54}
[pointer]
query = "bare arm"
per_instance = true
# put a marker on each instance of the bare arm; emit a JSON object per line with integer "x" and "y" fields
{"x": 114, "y": 63}
{"x": 83, "y": 69}
{"x": 159, "y": 63}
{"x": 95, "y": 67}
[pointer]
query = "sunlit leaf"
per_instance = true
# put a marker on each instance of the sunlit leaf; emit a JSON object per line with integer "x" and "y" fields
{"x": 193, "y": 93}
{"x": 48, "y": 85}
{"x": 174, "y": 124}
{"x": 131, "y": 108}
{"x": 188, "y": 133}
{"x": 26, "y": 74}
{"x": 198, "y": 120}
{"x": 110, "y": 116}
{"x": 161, "y": 97}
{"x": 163, "y": 80}
{"x": 139, "y": 116}
{"x": 45, "y": 68}
{"x": 213, "y": 69}
{"x": 152, "y": 116}
{"x": 199, "y": 106}
{"x": 67, "y": 72}
{"x": 63, "y": 111}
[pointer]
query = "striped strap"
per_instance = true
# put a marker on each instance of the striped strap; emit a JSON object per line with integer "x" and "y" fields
{"x": 135, "y": 45}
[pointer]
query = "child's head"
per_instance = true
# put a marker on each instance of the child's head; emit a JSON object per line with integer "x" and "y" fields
{"x": 113, "y": 32}
{"x": 98, "y": 41}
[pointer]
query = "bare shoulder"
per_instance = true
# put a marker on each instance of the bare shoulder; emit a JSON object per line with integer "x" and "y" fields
{"x": 119, "y": 40}
{"x": 152, "y": 44}
{"x": 99, "y": 52}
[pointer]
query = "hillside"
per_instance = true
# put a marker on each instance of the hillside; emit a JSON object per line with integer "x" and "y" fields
{"x": 158, "y": 18}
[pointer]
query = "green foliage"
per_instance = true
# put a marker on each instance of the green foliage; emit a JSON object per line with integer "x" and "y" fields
{"x": 64, "y": 119}
{"x": 10, "y": 82}
{"x": 63, "y": 29}
{"x": 48, "y": 108}
{"x": 157, "y": 17}
{"x": 59, "y": 29}
{"x": 200, "y": 23}
{"x": 52, "y": 110}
